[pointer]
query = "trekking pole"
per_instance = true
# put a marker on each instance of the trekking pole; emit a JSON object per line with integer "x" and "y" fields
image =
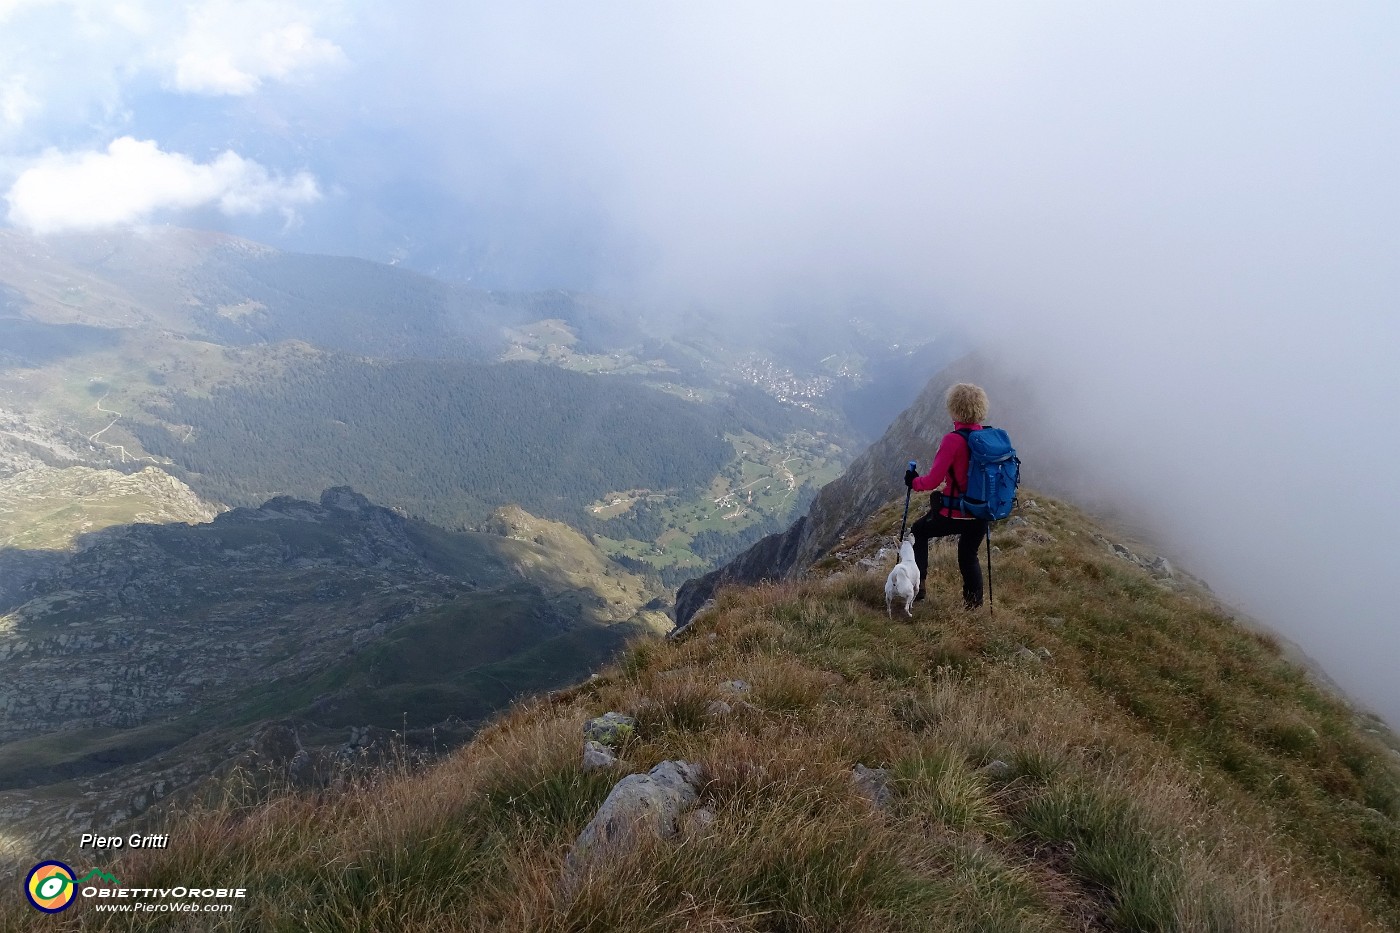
{"x": 991, "y": 603}
{"x": 909, "y": 491}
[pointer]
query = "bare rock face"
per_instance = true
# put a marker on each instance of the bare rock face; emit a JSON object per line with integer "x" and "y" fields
{"x": 31, "y": 441}
{"x": 650, "y": 803}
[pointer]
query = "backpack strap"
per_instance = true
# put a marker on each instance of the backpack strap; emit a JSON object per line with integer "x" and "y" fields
{"x": 953, "y": 499}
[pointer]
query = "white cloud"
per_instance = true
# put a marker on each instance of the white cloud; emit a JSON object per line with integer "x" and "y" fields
{"x": 16, "y": 103}
{"x": 230, "y": 48}
{"x": 134, "y": 179}
{"x": 9, "y": 8}
{"x": 84, "y": 60}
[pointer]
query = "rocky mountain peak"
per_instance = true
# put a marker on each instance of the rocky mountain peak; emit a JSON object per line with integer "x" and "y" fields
{"x": 345, "y": 499}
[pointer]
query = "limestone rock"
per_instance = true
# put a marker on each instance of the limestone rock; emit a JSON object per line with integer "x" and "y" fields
{"x": 648, "y": 803}
{"x": 345, "y": 499}
{"x": 882, "y": 559}
{"x": 873, "y": 783}
{"x": 698, "y": 820}
{"x": 718, "y": 708}
{"x": 996, "y": 770}
{"x": 611, "y": 729}
{"x": 596, "y": 755}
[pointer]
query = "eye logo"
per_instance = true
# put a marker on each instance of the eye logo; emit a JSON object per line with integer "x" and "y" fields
{"x": 50, "y": 887}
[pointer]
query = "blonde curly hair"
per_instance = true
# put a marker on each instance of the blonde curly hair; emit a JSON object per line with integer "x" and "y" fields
{"x": 967, "y": 403}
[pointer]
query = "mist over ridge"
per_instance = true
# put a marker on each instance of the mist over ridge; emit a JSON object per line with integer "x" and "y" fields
{"x": 1180, "y": 225}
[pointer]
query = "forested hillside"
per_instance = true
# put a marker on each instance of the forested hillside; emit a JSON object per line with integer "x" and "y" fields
{"x": 341, "y": 303}
{"x": 107, "y": 337}
{"x": 446, "y": 441}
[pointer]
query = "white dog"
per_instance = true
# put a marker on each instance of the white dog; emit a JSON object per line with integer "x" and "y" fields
{"x": 903, "y": 580}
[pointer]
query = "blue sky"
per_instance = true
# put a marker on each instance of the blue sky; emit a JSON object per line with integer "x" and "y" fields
{"x": 1181, "y": 221}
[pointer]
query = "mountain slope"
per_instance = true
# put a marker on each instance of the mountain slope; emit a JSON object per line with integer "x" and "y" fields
{"x": 45, "y": 513}
{"x": 251, "y": 372}
{"x": 153, "y": 655}
{"x": 1109, "y": 751}
{"x": 236, "y": 292}
{"x": 448, "y": 441}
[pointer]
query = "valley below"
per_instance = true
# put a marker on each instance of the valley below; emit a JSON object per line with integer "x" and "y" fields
{"x": 155, "y": 655}
{"x": 280, "y": 515}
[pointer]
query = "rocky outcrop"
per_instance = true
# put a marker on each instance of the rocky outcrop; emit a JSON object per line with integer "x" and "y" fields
{"x": 48, "y": 513}
{"x": 845, "y": 504}
{"x": 873, "y": 784}
{"x": 597, "y": 755}
{"x": 650, "y": 803}
{"x": 149, "y": 620}
{"x": 29, "y": 441}
{"x": 161, "y": 641}
{"x": 610, "y": 729}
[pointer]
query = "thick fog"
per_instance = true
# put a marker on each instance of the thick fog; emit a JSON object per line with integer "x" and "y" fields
{"x": 1180, "y": 221}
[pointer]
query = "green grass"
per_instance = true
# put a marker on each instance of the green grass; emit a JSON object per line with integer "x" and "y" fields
{"x": 49, "y": 510}
{"x": 64, "y": 755}
{"x": 1111, "y": 848}
{"x": 1167, "y": 771}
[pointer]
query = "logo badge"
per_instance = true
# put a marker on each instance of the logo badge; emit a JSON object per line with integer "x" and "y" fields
{"x": 50, "y": 887}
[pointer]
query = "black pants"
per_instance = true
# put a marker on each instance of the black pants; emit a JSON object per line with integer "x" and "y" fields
{"x": 970, "y": 532}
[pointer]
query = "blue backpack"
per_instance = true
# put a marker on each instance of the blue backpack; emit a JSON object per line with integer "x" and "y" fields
{"x": 993, "y": 472}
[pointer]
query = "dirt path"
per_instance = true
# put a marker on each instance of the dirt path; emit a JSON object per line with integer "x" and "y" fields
{"x": 117, "y": 416}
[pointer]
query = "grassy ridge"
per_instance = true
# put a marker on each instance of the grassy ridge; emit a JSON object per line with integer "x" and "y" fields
{"x": 1165, "y": 770}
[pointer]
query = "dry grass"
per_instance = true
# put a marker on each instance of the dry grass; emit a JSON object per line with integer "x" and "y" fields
{"x": 1165, "y": 771}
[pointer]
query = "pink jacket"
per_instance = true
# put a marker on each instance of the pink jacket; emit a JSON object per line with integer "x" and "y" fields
{"x": 950, "y": 461}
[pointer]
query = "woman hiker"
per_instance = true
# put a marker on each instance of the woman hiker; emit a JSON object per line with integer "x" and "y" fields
{"x": 967, "y": 404}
